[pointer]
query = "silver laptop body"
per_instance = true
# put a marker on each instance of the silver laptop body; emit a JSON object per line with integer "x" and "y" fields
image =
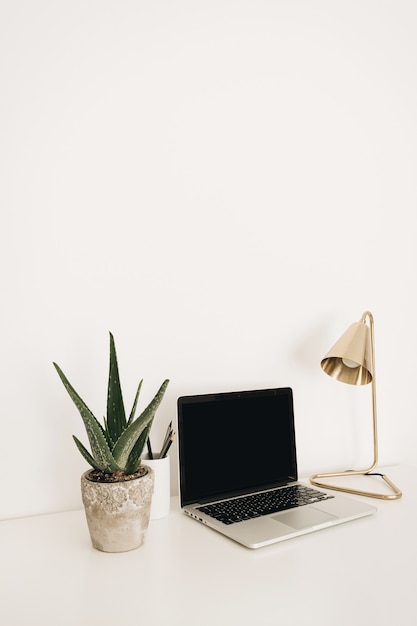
{"x": 237, "y": 444}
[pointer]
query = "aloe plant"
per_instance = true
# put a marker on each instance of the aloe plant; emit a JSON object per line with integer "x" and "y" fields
{"x": 117, "y": 446}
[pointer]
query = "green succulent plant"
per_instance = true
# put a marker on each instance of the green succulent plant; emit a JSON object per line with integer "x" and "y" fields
{"x": 117, "y": 446}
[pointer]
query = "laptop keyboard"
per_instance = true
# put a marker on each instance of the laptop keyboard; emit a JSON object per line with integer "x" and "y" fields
{"x": 263, "y": 503}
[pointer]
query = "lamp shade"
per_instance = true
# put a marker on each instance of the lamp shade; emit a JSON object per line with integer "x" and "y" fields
{"x": 350, "y": 360}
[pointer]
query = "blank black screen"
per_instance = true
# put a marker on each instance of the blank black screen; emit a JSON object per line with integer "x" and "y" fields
{"x": 232, "y": 443}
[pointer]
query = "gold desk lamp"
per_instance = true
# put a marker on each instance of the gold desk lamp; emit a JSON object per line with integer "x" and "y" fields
{"x": 351, "y": 360}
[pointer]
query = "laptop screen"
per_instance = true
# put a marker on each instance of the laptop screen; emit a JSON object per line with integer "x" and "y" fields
{"x": 234, "y": 443}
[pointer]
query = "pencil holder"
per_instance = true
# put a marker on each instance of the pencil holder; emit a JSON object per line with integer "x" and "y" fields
{"x": 162, "y": 493}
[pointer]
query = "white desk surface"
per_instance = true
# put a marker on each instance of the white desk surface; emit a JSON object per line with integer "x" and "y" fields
{"x": 358, "y": 573}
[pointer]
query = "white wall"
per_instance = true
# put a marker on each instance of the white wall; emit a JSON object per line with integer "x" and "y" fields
{"x": 226, "y": 186}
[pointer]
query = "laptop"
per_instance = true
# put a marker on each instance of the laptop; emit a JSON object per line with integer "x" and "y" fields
{"x": 238, "y": 469}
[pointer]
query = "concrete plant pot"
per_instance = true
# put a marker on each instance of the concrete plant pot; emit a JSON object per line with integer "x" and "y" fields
{"x": 118, "y": 512}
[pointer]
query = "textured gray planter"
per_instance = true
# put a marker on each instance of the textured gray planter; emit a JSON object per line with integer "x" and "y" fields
{"x": 118, "y": 513}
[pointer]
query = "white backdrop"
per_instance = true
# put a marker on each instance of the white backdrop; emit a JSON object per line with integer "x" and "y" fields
{"x": 224, "y": 185}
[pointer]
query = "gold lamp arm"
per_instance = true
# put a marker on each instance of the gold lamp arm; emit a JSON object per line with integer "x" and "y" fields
{"x": 315, "y": 479}
{"x": 369, "y": 315}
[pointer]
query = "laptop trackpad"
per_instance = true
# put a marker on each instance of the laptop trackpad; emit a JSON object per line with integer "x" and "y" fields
{"x": 304, "y": 517}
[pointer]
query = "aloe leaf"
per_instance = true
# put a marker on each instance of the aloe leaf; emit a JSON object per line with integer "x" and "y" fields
{"x": 133, "y": 461}
{"x": 99, "y": 446}
{"x": 133, "y": 411}
{"x": 106, "y": 434}
{"x": 116, "y": 416}
{"x": 86, "y": 454}
{"x": 128, "y": 439}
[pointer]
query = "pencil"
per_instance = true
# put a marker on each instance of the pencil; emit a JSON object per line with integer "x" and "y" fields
{"x": 166, "y": 438}
{"x": 167, "y": 446}
{"x": 150, "y": 453}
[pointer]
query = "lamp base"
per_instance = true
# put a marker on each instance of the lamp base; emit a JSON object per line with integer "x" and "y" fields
{"x": 395, "y": 495}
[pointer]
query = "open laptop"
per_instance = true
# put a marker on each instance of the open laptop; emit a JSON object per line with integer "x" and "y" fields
{"x": 242, "y": 444}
